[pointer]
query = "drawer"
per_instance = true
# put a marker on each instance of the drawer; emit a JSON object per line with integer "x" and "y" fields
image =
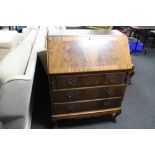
{"x": 62, "y": 108}
{"x": 68, "y": 95}
{"x": 87, "y": 80}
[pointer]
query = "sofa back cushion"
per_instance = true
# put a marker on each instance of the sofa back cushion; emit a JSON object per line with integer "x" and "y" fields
{"x": 41, "y": 39}
{"x": 4, "y": 52}
{"x": 8, "y": 39}
{"x": 40, "y": 45}
{"x": 31, "y": 37}
{"x": 15, "y": 62}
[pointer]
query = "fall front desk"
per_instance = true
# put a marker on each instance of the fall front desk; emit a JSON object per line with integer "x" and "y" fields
{"x": 88, "y": 72}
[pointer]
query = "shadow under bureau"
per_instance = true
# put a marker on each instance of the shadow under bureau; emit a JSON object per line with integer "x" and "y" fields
{"x": 88, "y": 71}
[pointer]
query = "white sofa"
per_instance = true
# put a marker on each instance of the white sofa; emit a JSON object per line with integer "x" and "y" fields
{"x": 8, "y": 41}
{"x": 17, "y": 71}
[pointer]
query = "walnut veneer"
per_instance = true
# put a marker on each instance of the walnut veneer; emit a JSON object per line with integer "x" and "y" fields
{"x": 88, "y": 72}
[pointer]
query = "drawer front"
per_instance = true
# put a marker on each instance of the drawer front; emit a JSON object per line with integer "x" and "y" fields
{"x": 62, "y": 108}
{"x": 76, "y": 81}
{"x": 69, "y": 95}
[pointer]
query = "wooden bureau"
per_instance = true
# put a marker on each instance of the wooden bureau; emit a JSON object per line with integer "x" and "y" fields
{"x": 88, "y": 71}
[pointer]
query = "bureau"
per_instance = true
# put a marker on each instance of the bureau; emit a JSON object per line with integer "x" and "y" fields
{"x": 88, "y": 72}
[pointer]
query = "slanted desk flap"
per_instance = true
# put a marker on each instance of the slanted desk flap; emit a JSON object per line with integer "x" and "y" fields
{"x": 88, "y": 52}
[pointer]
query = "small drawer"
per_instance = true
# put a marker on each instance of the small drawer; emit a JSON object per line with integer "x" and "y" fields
{"x": 76, "y": 81}
{"x": 62, "y": 108}
{"x": 68, "y": 95}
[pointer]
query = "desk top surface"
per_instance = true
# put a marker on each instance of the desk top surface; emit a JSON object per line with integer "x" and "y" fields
{"x": 87, "y": 51}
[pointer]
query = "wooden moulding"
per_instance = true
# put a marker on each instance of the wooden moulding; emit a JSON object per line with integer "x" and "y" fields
{"x": 86, "y": 114}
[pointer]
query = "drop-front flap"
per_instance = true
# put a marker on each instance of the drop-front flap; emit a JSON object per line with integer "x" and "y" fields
{"x": 87, "y": 51}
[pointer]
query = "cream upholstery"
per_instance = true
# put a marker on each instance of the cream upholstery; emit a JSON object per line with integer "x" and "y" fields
{"x": 40, "y": 46}
{"x": 8, "y": 39}
{"x": 15, "y": 62}
{"x": 31, "y": 37}
{"x": 17, "y": 71}
{"x": 4, "y": 52}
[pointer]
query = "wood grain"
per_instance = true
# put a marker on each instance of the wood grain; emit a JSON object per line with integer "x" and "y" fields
{"x": 93, "y": 51}
{"x": 86, "y": 105}
{"x": 86, "y": 80}
{"x": 88, "y": 72}
{"x": 86, "y": 93}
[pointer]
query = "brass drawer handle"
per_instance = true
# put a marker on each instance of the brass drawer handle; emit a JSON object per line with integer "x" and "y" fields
{"x": 109, "y": 91}
{"x": 103, "y": 104}
{"x": 70, "y": 107}
{"x": 113, "y": 79}
{"x": 70, "y": 94}
{"x": 69, "y": 82}
{"x": 106, "y": 104}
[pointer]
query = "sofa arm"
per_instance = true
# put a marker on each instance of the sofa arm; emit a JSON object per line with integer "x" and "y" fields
{"x": 16, "y": 77}
{"x": 15, "y": 97}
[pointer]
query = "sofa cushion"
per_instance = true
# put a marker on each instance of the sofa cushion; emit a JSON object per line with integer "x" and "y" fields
{"x": 15, "y": 62}
{"x": 21, "y": 37}
{"x": 8, "y": 39}
{"x": 40, "y": 46}
{"x": 31, "y": 37}
{"x": 40, "y": 43}
{"x": 4, "y": 52}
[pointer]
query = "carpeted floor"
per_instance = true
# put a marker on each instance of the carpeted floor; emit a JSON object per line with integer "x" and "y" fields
{"x": 138, "y": 107}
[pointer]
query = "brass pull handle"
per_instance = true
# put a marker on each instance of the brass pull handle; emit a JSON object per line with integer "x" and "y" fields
{"x": 106, "y": 104}
{"x": 69, "y": 82}
{"x": 109, "y": 91}
{"x": 113, "y": 79}
{"x": 70, "y": 94}
{"x": 70, "y": 107}
{"x": 103, "y": 104}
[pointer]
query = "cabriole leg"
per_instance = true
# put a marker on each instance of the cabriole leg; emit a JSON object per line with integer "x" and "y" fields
{"x": 115, "y": 115}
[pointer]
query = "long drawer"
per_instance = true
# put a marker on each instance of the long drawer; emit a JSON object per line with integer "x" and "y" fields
{"x": 68, "y": 95}
{"x": 80, "y": 106}
{"x": 75, "y": 81}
